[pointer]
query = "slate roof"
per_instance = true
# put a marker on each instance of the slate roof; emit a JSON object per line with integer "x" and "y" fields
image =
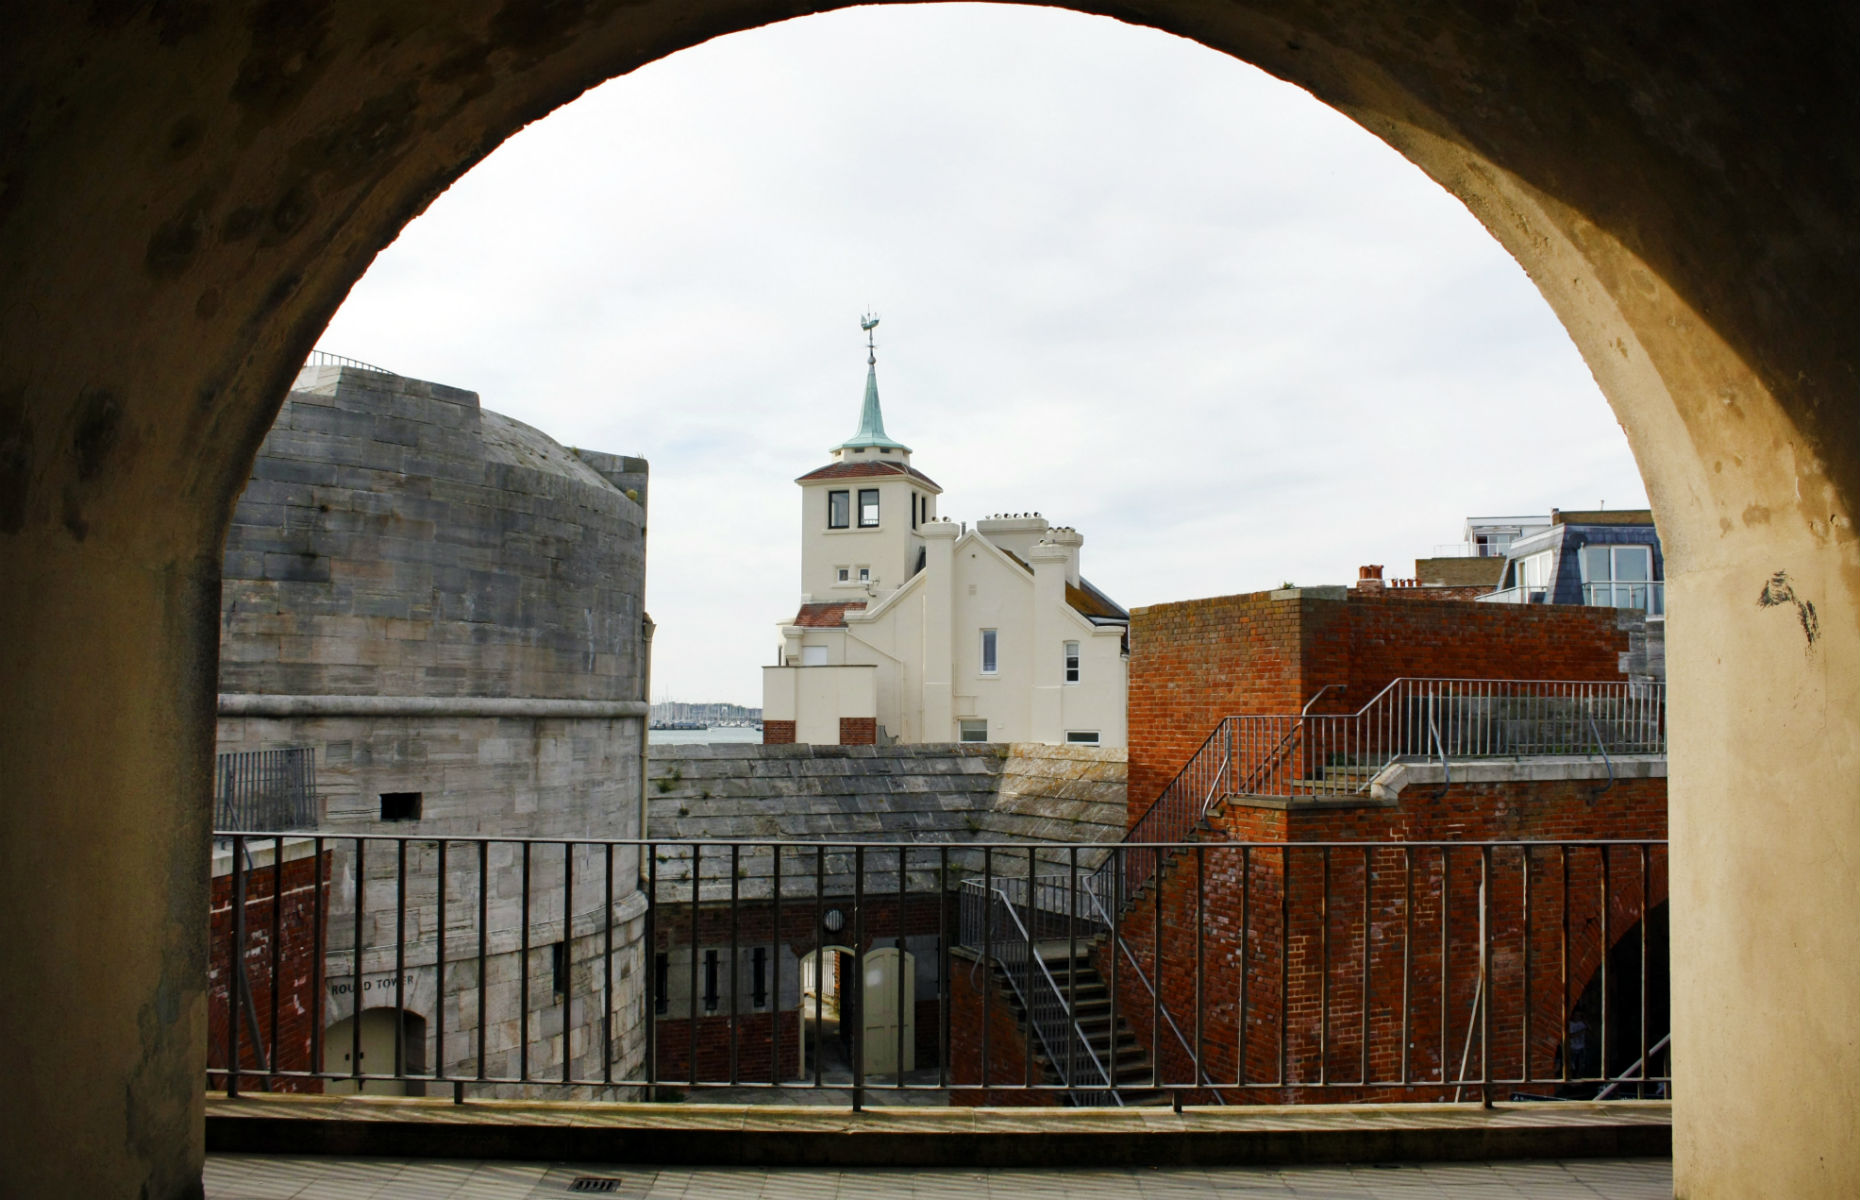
{"x": 941, "y": 797}
{"x": 827, "y": 615}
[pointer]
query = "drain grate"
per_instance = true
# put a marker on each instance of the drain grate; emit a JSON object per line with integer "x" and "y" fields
{"x": 594, "y": 1183}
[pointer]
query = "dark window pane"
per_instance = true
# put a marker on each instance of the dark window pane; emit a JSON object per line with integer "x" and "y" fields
{"x": 839, "y": 510}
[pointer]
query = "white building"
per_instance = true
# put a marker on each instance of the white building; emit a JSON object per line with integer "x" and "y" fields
{"x": 912, "y": 628}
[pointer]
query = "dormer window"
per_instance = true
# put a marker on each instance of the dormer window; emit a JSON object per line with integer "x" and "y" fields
{"x": 839, "y": 509}
{"x": 868, "y": 508}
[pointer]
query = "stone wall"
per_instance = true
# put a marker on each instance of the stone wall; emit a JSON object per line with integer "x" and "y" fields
{"x": 445, "y": 605}
{"x": 396, "y": 539}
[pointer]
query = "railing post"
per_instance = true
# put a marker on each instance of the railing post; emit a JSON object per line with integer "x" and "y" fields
{"x": 858, "y": 1088}
{"x": 235, "y": 965}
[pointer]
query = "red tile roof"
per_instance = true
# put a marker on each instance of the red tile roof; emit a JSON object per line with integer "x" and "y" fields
{"x": 866, "y": 470}
{"x": 825, "y": 616}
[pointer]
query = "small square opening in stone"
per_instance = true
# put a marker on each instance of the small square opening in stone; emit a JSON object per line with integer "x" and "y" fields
{"x": 400, "y": 806}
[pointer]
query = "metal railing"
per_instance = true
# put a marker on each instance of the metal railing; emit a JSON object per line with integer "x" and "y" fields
{"x": 1070, "y": 902}
{"x": 993, "y": 927}
{"x": 266, "y": 789}
{"x": 1307, "y": 756}
{"x": 323, "y": 358}
{"x": 487, "y": 967}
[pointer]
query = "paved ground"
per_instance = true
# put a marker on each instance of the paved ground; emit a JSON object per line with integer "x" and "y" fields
{"x": 256, "y": 1177}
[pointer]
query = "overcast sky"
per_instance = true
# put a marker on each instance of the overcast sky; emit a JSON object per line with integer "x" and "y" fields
{"x": 1126, "y": 281}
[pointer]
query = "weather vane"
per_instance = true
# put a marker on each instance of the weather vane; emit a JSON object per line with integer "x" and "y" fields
{"x": 869, "y": 322}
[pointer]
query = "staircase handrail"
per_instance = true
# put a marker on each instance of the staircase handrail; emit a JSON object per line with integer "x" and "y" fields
{"x": 1175, "y": 813}
{"x": 1104, "y": 918}
{"x": 1035, "y": 1019}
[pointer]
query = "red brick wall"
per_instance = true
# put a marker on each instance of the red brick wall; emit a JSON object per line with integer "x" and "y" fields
{"x": 778, "y": 733}
{"x": 1237, "y": 916}
{"x": 922, "y": 915}
{"x": 856, "y": 731}
{"x": 299, "y": 1009}
{"x": 754, "y": 1034}
{"x": 1006, "y": 1048}
{"x": 1195, "y": 662}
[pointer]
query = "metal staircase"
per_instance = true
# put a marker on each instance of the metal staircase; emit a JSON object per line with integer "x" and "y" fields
{"x": 1314, "y": 757}
{"x": 1111, "y": 1051}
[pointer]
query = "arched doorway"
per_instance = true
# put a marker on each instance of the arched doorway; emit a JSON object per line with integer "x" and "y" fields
{"x": 186, "y": 200}
{"x": 375, "y": 1051}
{"x": 837, "y": 1004}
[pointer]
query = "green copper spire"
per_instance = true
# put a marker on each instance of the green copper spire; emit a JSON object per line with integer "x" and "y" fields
{"x": 871, "y": 419}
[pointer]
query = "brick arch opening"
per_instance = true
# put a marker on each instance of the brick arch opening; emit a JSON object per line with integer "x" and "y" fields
{"x": 187, "y": 193}
{"x": 1602, "y": 1043}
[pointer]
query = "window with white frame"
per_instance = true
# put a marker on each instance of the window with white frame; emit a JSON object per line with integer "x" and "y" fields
{"x": 1620, "y": 577}
{"x": 865, "y": 574}
{"x": 1531, "y": 576}
{"x": 990, "y": 662}
{"x": 1082, "y": 737}
{"x": 845, "y": 574}
{"x": 972, "y": 730}
{"x": 868, "y": 508}
{"x": 1072, "y": 665}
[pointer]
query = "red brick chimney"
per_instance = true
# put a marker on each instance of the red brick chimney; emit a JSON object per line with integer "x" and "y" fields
{"x": 1369, "y": 578}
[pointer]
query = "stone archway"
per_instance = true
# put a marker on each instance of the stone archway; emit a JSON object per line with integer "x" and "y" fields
{"x": 188, "y": 191}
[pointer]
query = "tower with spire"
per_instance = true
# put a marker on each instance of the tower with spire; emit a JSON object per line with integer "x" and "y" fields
{"x": 918, "y": 629}
{"x": 871, "y": 435}
{"x": 862, "y": 514}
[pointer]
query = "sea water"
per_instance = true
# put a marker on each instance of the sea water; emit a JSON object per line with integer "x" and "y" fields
{"x": 719, "y": 733}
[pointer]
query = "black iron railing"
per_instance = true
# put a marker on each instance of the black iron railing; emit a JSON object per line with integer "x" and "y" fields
{"x": 914, "y": 973}
{"x": 265, "y": 789}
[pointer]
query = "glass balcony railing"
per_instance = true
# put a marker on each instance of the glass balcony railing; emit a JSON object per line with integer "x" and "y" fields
{"x": 1647, "y": 596}
{"x": 1518, "y": 595}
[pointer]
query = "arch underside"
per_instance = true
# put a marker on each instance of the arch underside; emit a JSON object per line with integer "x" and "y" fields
{"x": 187, "y": 194}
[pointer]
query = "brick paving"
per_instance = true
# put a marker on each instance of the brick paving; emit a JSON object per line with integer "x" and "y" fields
{"x": 260, "y": 1177}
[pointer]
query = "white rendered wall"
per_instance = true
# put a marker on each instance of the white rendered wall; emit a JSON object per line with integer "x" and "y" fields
{"x": 816, "y": 698}
{"x": 890, "y": 549}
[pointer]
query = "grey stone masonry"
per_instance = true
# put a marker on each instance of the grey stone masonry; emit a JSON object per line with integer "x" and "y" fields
{"x": 396, "y": 539}
{"x": 444, "y": 604}
{"x": 946, "y": 800}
